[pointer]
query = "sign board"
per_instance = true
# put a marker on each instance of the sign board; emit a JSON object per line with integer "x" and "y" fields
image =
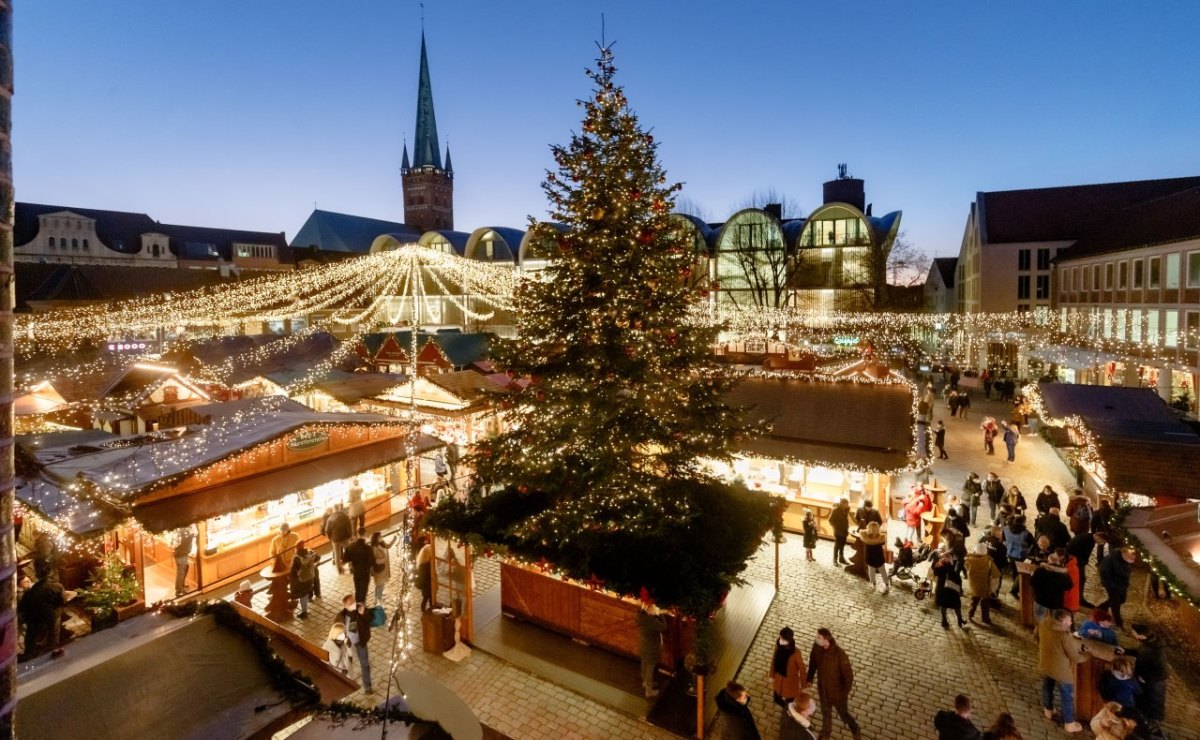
{"x": 307, "y": 440}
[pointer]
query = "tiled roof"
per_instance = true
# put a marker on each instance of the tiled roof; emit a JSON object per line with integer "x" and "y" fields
{"x": 946, "y": 267}
{"x": 1066, "y": 213}
{"x": 342, "y": 232}
{"x": 465, "y": 384}
{"x": 1172, "y": 218}
{"x": 841, "y": 424}
{"x": 38, "y": 282}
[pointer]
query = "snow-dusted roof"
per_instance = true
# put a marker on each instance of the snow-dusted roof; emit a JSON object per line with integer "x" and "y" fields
{"x": 127, "y": 465}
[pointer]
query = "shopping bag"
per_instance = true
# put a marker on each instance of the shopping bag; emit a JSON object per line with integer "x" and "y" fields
{"x": 378, "y": 616}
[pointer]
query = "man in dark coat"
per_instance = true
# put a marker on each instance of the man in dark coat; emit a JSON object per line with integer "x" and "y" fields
{"x": 866, "y": 514}
{"x": 339, "y": 530}
{"x": 1102, "y": 519}
{"x": 839, "y": 519}
{"x": 993, "y": 490}
{"x": 829, "y": 664}
{"x": 1115, "y": 570}
{"x": 735, "y": 720}
{"x": 1050, "y": 583}
{"x": 1051, "y": 525}
{"x": 956, "y": 725}
{"x": 362, "y": 559}
{"x": 1150, "y": 669}
{"x": 40, "y": 610}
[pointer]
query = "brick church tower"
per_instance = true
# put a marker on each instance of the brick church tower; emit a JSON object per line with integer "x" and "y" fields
{"x": 428, "y": 186}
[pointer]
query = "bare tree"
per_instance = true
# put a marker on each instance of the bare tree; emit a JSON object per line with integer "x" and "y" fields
{"x": 689, "y": 207}
{"x": 907, "y": 264}
{"x": 766, "y": 196}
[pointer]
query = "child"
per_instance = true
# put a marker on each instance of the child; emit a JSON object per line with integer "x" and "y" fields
{"x": 810, "y": 535}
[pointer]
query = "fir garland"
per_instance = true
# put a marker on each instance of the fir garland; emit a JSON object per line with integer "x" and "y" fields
{"x": 1154, "y": 564}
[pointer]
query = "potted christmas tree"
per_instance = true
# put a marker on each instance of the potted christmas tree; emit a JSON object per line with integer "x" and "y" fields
{"x": 115, "y": 594}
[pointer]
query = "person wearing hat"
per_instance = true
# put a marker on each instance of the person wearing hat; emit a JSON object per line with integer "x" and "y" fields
{"x": 787, "y": 668}
{"x": 981, "y": 574}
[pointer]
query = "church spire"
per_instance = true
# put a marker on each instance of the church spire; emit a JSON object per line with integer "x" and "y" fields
{"x": 425, "y": 145}
{"x": 404, "y": 168}
{"x": 449, "y": 167}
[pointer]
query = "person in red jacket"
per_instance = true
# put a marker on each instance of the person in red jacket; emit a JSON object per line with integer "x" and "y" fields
{"x": 1071, "y": 597}
{"x": 917, "y": 504}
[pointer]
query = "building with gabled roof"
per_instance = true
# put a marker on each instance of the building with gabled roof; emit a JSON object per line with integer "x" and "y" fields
{"x": 940, "y": 295}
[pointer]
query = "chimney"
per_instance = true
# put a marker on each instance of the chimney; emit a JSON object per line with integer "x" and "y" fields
{"x": 775, "y": 209}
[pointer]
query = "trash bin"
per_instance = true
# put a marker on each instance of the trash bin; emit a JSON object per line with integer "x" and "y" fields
{"x": 437, "y": 631}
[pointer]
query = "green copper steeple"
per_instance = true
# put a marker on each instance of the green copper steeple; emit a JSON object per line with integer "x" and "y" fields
{"x": 425, "y": 145}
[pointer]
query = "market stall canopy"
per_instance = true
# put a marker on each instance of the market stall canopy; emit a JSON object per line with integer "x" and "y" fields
{"x": 40, "y": 399}
{"x": 155, "y": 676}
{"x": 1145, "y": 446}
{"x": 1072, "y": 357}
{"x": 452, "y": 391}
{"x": 832, "y": 424}
{"x": 179, "y": 511}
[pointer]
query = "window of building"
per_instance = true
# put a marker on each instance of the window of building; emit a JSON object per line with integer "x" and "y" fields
{"x": 1123, "y": 276}
{"x": 170, "y": 392}
{"x": 1043, "y": 287}
{"x": 1139, "y": 273}
{"x": 1023, "y": 307}
{"x": 74, "y": 244}
{"x": 153, "y": 250}
{"x": 1155, "y": 277}
{"x": 1023, "y": 259}
{"x": 750, "y": 236}
{"x": 52, "y": 242}
{"x": 1193, "y": 270}
{"x": 1106, "y": 323}
{"x": 1075, "y": 285}
{"x": 1095, "y": 277}
{"x": 1136, "y": 322}
{"x": 1172, "y": 271}
{"x": 1152, "y": 326}
{"x": 1043, "y": 259}
{"x": 1023, "y": 286}
{"x": 1171, "y": 323}
{"x": 1191, "y": 335}
{"x": 1108, "y": 275}
{"x": 1119, "y": 329}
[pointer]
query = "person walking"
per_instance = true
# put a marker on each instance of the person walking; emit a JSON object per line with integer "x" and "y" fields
{"x": 998, "y": 552}
{"x": 1015, "y": 500}
{"x": 947, "y": 592}
{"x": 381, "y": 570}
{"x": 185, "y": 540}
{"x": 839, "y": 519}
{"x": 993, "y": 491}
{"x": 1011, "y": 437}
{"x": 1115, "y": 571}
{"x": 830, "y": 665}
{"x": 1058, "y": 653}
{"x": 957, "y": 724}
{"x": 1102, "y": 521}
{"x": 357, "y": 624}
{"x": 362, "y": 561}
{"x": 981, "y": 574}
{"x": 787, "y": 668}
{"x": 1150, "y": 669}
{"x": 1046, "y": 500}
{"x": 874, "y": 546}
{"x": 939, "y": 440}
{"x": 1079, "y": 513}
{"x": 801, "y": 712}
{"x": 989, "y": 435}
{"x": 810, "y": 535}
{"x": 303, "y": 578}
{"x": 964, "y": 405}
{"x": 651, "y": 626}
{"x": 973, "y": 497}
{"x": 735, "y": 721}
{"x": 339, "y": 530}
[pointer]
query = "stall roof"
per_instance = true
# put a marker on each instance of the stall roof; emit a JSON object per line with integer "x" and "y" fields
{"x": 1145, "y": 446}
{"x": 351, "y": 388}
{"x": 191, "y": 679}
{"x": 836, "y": 424}
{"x": 242, "y": 493}
{"x": 129, "y": 465}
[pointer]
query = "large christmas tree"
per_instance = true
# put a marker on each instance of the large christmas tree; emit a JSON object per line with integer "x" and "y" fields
{"x": 599, "y": 472}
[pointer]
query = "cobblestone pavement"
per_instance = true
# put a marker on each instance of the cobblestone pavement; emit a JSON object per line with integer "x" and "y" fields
{"x": 906, "y": 666}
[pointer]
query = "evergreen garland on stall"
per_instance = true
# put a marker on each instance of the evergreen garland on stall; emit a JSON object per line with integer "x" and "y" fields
{"x": 599, "y": 475}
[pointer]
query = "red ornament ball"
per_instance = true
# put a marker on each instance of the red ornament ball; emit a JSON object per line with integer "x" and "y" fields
{"x": 646, "y": 237}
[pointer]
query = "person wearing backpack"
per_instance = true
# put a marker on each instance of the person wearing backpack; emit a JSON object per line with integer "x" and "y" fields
{"x": 381, "y": 572}
{"x": 303, "y": 577}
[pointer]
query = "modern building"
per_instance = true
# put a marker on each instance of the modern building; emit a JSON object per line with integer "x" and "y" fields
{"x": 832, "y": 260}
{"x": 1131, "y": 286}
{"x": 1012, "y": 237}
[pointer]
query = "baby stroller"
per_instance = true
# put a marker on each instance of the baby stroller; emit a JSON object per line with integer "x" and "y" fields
{"x": 904, "y": 566}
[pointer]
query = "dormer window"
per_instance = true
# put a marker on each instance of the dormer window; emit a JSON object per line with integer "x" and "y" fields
{"x": 75, "y": 244}
{"x": 154, "y": 250}
{"x": 52, "y": 242}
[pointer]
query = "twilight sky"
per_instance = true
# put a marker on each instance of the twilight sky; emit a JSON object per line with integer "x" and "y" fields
{"x": 244, "y": 113}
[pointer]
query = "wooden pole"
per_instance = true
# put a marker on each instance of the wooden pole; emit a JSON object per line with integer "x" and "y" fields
{"x": 699, "y": 707}
{"x": 776, "y": 565}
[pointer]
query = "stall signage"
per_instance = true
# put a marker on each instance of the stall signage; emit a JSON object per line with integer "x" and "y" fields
{"x": 846, "y": 341}
{"x": 307, "y": 440}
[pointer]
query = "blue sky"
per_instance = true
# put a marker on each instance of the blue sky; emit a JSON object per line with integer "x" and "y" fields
{"x": 244, "y": 113}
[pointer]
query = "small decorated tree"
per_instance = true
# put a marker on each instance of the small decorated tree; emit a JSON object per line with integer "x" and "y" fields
{"x": 599, "y": 476}
{"x": 111, "y": 587}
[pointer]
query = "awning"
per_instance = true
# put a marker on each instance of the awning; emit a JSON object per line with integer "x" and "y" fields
{"x": 1072, "y": 357}
{"x": 825, "y": 455}
{"x": 242, "y": 493}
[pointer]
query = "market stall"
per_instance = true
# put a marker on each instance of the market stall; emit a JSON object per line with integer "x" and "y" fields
{"x": 829, "y": 439}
